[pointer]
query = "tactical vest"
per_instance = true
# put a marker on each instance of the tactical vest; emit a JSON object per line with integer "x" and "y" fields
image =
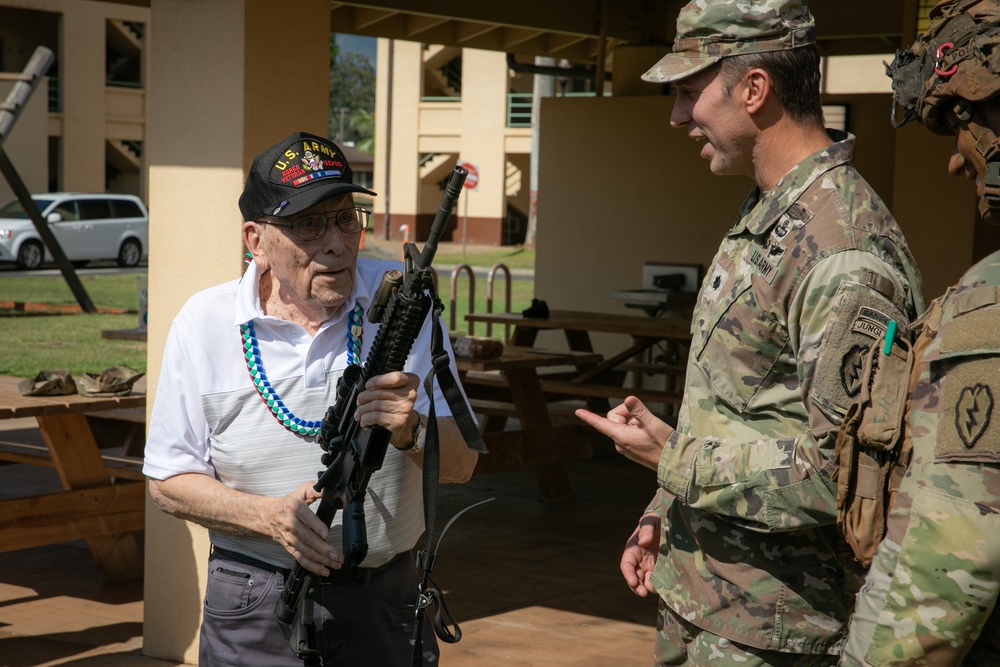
{"x": 874, "y": 447}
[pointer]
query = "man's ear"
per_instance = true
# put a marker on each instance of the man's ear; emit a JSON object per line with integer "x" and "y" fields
{"x": 757, "y": 89}
{"x": 254, "y": 243}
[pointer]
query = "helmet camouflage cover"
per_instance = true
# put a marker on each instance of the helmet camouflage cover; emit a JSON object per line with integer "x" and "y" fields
{"x": 959, "y": 56}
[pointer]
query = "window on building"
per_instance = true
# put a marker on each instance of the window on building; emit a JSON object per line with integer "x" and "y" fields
{"x": 123, "y": 53}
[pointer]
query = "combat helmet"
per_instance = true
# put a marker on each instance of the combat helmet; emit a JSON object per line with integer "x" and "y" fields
{"x": 955, "y": 63}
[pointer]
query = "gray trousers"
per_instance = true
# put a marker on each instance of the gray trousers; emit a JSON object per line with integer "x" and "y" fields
{"x": 367, "y": 620}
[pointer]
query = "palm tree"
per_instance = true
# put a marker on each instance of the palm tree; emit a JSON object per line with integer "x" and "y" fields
{"x": 363, "y": 124}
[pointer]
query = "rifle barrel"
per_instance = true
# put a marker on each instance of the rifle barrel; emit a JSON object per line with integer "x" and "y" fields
{"x": 451, "y": 192}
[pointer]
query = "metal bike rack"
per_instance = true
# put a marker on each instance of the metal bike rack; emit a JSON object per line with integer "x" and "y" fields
{"x": 489, "y": 297}
{"x": 452, "y": 297}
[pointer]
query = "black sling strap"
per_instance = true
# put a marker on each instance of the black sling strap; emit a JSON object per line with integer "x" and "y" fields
{"x": 429, "y": 592}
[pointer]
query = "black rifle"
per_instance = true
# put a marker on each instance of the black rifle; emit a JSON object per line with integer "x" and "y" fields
{"x": 352, "y": 453}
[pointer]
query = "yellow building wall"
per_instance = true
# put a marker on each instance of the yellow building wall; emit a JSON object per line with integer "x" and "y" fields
{"x": 618, "y": 187}
{"x": 937, "y": 211}
{"x": 471, "y": 129}
{"x": 91, "y": 111}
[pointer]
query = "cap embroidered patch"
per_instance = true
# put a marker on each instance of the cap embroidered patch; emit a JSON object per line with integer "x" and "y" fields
{"x": 295, "y": 174}
{"x": 306, "y": 161}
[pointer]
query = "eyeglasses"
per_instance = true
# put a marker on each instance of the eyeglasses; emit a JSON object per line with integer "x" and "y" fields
{"x": 312, "y": 227}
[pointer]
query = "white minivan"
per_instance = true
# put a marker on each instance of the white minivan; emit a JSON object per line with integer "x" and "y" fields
{"x": 88, "y": 227}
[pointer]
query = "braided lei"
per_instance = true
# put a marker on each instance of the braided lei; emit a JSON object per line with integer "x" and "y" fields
{"x": 277, "y": 407}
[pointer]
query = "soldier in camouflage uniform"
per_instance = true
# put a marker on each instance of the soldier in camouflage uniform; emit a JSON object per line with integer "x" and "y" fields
{"x": 741, "y": 542}
{"x": 931, "y": 594}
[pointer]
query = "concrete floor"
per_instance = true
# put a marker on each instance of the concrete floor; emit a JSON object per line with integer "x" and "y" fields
{"x": 531, "y": 584}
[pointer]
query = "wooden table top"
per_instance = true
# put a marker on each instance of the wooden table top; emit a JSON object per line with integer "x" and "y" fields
{"x": 515, "y": 357}
{"x": 13, "y": 404}
{"x": 574, "y": 320}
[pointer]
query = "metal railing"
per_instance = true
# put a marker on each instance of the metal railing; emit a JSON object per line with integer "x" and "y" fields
{"x": 55, "y": 95}
{"x": 490, "y": 278}
{"x": 518, "y": 105}
{"x": 453, "y": 323}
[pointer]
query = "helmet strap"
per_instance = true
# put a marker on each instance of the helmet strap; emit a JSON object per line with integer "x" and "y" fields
{"x": 988, "y": 146}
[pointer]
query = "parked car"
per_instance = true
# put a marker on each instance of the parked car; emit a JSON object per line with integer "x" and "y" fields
{"x": 88, "y": 227}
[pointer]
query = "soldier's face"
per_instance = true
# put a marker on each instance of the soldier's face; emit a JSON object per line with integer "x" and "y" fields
{"x": 966, "y": 160}
{"x": 715, "y": 118}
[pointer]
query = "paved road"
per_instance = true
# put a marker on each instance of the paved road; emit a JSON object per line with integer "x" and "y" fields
{"x": 93, "y": 269}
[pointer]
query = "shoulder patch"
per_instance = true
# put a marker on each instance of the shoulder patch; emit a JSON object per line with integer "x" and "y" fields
{"x": 969, "y": 367}
{"x": 851, "y": 366}
{"x": 967, "y": 430}
{"x": 859, "y": 322}
{"x": 871, "y": 322}
{"x": 973, "y": 412}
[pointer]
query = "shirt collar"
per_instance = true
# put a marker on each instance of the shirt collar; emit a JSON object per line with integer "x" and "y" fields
{"x": 248, "y": 297}
{"x": 761, "y": 210}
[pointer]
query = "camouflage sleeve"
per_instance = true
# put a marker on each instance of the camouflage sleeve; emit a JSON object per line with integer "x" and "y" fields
{"x": 933, "y": 585}
{"x": 783, "y": 483}
{"x": 931, "y": 593}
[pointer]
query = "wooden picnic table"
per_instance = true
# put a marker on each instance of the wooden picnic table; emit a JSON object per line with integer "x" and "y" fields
{"x": 513, "y": 379}
{"x": 103, "y": 498}
{"x": 604, "y": 380}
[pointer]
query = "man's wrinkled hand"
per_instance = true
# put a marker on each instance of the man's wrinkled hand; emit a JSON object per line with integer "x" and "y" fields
{"x": 297, "y": 528}
{"x": 387, "y": 401}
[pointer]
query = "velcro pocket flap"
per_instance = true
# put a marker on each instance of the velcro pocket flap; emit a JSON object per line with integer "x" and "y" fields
{"x": 882, "y": 423}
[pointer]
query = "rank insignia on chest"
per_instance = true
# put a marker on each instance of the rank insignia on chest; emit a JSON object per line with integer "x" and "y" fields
{"x": 713, "y": 288}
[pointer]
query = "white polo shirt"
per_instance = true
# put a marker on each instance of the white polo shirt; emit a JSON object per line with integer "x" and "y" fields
{"x": 208, "y": 417}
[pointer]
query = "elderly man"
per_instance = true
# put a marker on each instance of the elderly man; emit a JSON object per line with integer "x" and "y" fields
{"x": 741, "y": 543}
{"x": 232, "y": 440}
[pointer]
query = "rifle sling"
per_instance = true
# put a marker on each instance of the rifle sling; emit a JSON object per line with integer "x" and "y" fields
{"x": 467, "y": 426}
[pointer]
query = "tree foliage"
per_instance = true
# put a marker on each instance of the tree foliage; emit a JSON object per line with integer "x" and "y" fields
{"x": 352, "y": 89}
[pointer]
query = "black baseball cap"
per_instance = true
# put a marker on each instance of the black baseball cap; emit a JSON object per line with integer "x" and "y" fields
{"x": 294, "y": 174}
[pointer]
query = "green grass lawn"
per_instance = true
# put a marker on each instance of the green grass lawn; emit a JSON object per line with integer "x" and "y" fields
{"x": 520, "y": 298}
{"x": 34, "y": 342}
{"x": 514, "y": 258}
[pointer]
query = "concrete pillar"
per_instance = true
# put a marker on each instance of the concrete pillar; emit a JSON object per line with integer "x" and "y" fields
{"x": 83, "y": 74}
{"x": 400, "y": 190}
{"x": 484, "y": 122}
{"x": 227, "y": 79}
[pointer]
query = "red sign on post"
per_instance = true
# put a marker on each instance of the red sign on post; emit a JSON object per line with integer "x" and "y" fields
{"x": 472, "y": 180}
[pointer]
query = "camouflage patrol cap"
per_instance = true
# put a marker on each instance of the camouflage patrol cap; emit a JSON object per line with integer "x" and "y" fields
{"x": 113, "y": 381}
{"x": 710, "y": 30}
{"x": 958, "y": 57}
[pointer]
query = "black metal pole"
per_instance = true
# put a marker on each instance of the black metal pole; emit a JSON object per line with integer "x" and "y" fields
{"x": 23, "y": 196}
{"x": 10, "y": 110}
